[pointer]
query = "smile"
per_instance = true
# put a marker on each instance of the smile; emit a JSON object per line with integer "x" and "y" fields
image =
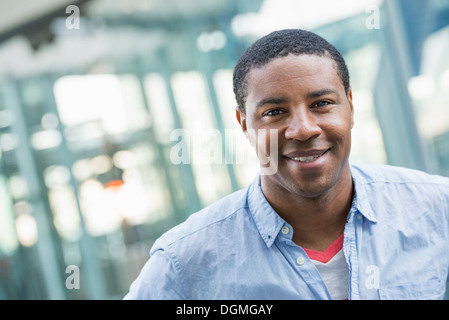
{"x": 307, "y": 158}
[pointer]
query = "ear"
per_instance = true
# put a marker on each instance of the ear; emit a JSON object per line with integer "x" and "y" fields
{"x": 351, "y": 106}
{"x": 241, "y": 118}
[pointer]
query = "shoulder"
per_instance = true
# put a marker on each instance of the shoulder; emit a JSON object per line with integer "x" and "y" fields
{"x": 213, "y": 216}
{"x": 396, "y": 175}
{"x": 386, "y": 187}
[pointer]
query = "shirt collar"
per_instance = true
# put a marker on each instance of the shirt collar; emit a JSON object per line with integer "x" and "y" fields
{"x": 269, "y": 223}
{"x": 361, "y": 202}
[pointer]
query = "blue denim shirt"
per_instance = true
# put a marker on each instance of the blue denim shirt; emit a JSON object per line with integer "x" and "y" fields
{"x": 396, "y": 245}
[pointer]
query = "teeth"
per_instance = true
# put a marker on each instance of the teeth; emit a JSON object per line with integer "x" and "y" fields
{"x": 306, "y": 159}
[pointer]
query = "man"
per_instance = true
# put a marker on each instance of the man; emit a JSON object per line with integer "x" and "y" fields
{"x": 316, "y": 227}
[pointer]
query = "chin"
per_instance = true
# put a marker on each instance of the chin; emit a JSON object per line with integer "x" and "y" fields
{"x": 312, "y": 192}
{"x": 312, "y": 185}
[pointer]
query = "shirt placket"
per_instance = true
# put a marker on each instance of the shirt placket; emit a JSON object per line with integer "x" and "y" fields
{"x": 350, "y": 252}
{"x": 301, "y": 263}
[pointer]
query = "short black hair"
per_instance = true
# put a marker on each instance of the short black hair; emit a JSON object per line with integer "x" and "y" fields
{"x": 278, "y": 44}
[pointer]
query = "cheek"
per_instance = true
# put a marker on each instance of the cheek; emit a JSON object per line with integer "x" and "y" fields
{"x": 341, "y": 135}
{"x": 340, "y": 127}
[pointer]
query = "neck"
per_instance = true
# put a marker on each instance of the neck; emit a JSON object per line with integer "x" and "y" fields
{"x": 319, "y": 220}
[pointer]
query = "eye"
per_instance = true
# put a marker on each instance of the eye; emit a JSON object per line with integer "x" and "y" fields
{"x": 321, "y": 103}
{"x": 273, "y": 112}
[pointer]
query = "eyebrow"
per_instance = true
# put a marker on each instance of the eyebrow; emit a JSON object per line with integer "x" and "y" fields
{"x": 310, "y": 95}
{"x": 320, "y": 93}
{"x": 273, "y": 100}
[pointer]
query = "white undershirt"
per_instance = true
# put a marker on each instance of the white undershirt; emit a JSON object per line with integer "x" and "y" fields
{"x": 335, "y": 274}
{"x": 332, "y": 266}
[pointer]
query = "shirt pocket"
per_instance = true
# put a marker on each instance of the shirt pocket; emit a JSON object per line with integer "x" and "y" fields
{"x": 428, "y": 290}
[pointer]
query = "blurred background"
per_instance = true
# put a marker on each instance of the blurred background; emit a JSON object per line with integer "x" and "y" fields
{"x": 94, "y": 165}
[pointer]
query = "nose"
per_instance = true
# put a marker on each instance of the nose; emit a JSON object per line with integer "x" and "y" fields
{"x": 302, "y": 125}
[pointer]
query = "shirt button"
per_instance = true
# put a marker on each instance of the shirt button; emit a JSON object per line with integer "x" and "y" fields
{"x": 285, "y": 230}
{"x": 300, "y": 261}
{"x": 359, "y": 216}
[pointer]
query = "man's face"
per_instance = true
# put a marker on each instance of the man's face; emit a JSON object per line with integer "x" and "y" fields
{"x": 304, "y": 100}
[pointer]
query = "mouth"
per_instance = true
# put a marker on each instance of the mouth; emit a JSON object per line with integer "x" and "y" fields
{"x": 306, "y": 156}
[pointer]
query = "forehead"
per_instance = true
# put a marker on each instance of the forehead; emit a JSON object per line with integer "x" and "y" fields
{"x": 303, "y": 71}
